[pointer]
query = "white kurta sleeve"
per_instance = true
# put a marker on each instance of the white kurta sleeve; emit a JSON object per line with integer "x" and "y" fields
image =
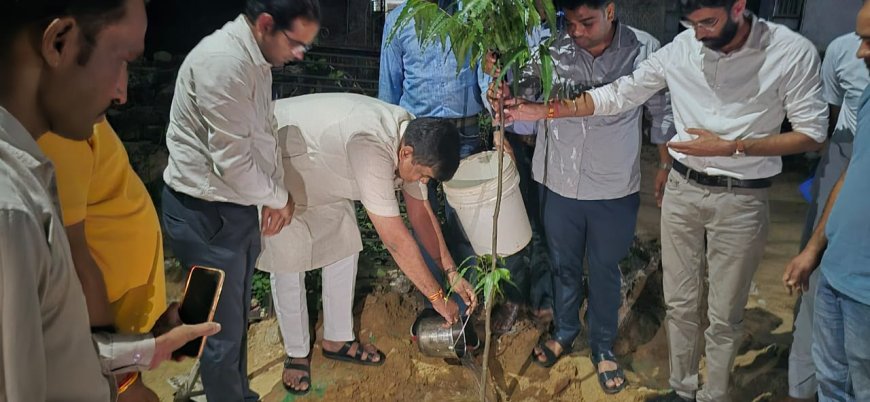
{"x": 374, "y": 168}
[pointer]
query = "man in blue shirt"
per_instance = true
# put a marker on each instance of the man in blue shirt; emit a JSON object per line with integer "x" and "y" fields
{"x": 844, "y": 78}
{"x": 841, "y": 348}
{"x": 425, "y": 82}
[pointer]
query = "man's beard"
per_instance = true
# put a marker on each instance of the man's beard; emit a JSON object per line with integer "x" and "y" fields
{"x": 729, "y": 31}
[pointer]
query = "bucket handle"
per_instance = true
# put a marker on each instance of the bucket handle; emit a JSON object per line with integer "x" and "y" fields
{"x": 461, "y": 333}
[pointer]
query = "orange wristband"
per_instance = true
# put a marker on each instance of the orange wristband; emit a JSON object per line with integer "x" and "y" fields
{"x": 436, "y": 296}
{"x": 552, "y": 109}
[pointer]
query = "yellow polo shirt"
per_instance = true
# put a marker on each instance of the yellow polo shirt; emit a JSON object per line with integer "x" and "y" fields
{"x": 97, "y": 185}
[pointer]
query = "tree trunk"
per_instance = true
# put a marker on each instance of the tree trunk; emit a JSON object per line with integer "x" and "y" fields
{"x": 489, "y": 298}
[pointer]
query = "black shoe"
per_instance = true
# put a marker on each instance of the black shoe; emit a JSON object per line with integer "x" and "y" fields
{"x": 670, "y": 397}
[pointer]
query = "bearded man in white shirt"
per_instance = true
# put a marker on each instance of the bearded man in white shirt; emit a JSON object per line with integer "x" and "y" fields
{"x": 224, "y": 163}
{"x": 733, "y": 78}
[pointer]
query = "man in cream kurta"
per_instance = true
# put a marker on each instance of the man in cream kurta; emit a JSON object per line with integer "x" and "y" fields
{"x": 338, "y": 148}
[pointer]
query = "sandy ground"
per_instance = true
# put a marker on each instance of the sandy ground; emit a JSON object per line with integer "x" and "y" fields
{"x": 384, "y": 319}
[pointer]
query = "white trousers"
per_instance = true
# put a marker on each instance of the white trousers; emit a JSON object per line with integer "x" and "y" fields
{"x": 291, "y": 307}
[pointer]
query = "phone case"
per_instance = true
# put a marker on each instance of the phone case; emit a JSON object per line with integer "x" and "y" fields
{"x": 214, "y": 303}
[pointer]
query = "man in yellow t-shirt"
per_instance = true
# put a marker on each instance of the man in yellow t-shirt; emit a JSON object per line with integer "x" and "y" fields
{"x": 114, "y": 234}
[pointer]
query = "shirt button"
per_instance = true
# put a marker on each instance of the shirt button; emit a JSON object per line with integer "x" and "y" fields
{"x": 137, "y": 357}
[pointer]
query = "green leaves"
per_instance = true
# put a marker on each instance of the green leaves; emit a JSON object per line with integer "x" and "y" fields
{"x": 488, "y": 282}
{"x": 481, "y": 26}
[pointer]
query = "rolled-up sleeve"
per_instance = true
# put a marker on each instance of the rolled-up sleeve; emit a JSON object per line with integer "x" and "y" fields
{"x": 225, "y": 97}
{"x": 805, "y": 108}
{"x": 22, "y": 250}
{"x": 633, "y": 90}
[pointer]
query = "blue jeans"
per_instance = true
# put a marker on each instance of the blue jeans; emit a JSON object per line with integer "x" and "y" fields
{"x": 602, "y": 230}
{"x": 801, "y": 370}
{"x": 841, "y": 345}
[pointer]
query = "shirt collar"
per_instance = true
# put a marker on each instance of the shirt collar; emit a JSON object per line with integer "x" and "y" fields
{"x": 25, "y": 147}
{"x": 241, "y": 30}
{"x": 759, "y": 34}
{"x": 620, "y": 39}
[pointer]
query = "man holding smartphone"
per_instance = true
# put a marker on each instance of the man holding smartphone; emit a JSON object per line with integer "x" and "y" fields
{"x": 337, "y": 149}
{"x": 224, "y": 163}
{"x": 61, "y": 66}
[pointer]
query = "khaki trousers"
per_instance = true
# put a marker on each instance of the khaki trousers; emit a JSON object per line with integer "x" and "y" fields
{"x": 727, "y": 229}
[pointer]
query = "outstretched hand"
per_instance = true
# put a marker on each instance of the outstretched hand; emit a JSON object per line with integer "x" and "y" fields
{"x": 170, "y": 333}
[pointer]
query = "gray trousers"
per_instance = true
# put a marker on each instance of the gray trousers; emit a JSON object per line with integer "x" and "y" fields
{"x": 726, "y": 231}
{"x": 802, "y": 382}
{"x": 224, "y": 236}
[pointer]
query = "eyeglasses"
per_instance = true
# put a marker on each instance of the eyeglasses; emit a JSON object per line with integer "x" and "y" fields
{"x": 708, "y": 25}
{"x": 297, "y": 45}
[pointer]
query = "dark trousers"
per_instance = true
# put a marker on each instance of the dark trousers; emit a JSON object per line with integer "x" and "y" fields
{"x": 601, "y": 230}
{"x": 224, "y": 236}
{"x": 530, "y": 271}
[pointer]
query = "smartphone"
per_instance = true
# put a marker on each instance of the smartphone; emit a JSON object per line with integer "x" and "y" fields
{"x": 201, "y": 295}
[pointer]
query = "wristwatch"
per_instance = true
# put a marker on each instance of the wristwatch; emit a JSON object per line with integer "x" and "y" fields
{"x": 740, "y": 149}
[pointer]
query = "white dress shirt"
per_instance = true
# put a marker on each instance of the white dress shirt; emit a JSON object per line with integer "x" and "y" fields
{"x": 742, "y": 95}
{"x": 221, "y": 134}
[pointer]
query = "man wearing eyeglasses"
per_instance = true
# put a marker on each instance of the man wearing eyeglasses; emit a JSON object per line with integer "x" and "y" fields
{"x": 733, "y": 78}
{"x": 224, "y": 162}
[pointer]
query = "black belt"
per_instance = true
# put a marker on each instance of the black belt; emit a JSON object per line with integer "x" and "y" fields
{"x": 462, "y": 122}
{"x": 718, "y": 181}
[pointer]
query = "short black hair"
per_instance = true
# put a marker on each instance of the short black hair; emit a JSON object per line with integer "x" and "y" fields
{"x": 575, "y": 4}
{"x": 284, "y": 12}
{"x": 91, "y": 15}
{"x": 689, "y": 6}
{"x": 436, "y": 145}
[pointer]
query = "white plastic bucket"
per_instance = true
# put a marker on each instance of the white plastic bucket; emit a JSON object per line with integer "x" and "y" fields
{"x": 472, "y": 193}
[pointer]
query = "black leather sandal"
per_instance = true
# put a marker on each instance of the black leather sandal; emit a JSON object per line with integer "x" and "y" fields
{"x": 604, "y": 377}
{"x": 305, "y": 379}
